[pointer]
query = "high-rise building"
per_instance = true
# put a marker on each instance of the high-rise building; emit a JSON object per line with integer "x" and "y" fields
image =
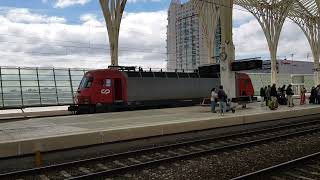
{"x": 186, "y": 47}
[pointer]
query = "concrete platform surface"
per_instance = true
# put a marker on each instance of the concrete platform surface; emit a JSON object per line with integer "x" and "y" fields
{"x": 53, "y": 133}
{"x": 33, "y": 112}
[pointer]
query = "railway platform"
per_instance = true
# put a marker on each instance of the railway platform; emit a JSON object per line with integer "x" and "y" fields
{"x": 33, "y": 112}
{"x": 63, "y": 132}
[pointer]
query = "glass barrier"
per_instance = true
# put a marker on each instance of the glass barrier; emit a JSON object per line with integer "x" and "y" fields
{"x": 27, "y": 87}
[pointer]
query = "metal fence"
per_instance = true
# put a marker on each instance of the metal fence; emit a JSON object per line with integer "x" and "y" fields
{"x": 27, "y": 87}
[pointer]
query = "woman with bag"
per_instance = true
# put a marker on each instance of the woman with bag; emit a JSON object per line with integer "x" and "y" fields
{"x": 303, "y": 96}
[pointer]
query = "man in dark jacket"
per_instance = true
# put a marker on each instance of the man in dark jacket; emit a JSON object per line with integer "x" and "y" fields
{"x": 268, "y": 97}
{"x": 290, "y": 95}
{"x": 263, "y": 95}
{"x": 222, "y": 96}
{"x": 274, "y": 94}
{"x": 283, "y": 90}
{"x": 312, "y": 95}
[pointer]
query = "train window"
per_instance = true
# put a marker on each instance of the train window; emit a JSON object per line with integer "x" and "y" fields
{"x": 183, "y": 75}
{"x": 86, "y": 82}
{"x": 107, "y": 83}
{"x": 193, "y": 75}
{"x": 172, "y": 75}
{"x": 147, "y": 74}
{"x": 133, "y": 74}
{"x": 160, "y": 74}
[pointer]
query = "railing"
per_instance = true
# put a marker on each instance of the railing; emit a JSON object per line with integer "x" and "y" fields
{"x": 27, "y": 87}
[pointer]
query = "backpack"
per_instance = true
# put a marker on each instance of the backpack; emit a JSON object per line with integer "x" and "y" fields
{"x": 222, "y": 96}
{"x": 273, "y": 105}
{"x": 289, "y": 91}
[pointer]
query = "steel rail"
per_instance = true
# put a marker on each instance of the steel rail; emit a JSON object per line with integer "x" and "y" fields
{"x": 155, "y": 162}
{"x": 276, "y": 167}
{"x": 159, "y": 148}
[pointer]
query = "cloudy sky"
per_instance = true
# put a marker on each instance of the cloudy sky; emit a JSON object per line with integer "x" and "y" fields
{"x": 72, "y": 33}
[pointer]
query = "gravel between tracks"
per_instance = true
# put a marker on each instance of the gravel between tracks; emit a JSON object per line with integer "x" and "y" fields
{"x": 232, "y": 163}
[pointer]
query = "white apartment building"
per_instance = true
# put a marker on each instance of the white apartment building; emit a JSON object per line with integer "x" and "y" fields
{"x": 186, "y": 48}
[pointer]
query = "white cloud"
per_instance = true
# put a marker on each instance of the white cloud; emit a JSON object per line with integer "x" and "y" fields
{"x": 240, "y": 15}
{"x": 91, "y": 20}
{"x": 67, "y": 3}
{"x": 250, "y": 40}
{"x": 25, "y": 16}
{"x": 32, "y": 39}
{"x": 40, "y": 42}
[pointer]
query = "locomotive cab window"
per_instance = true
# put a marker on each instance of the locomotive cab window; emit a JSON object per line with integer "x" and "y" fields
{"x": 86, "y": 82}
{"x": 107, "y": 83}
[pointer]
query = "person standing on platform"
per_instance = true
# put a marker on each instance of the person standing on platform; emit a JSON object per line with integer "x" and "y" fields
{"x": 265, "y": 91}
{"x": 268, "y": 97}
{"x": 290, "y": 95}
{"x": 318, "y": 94}
{"x": 222, "y": 100}
{"x": 274, "y": 94}
{"x": 316, "y": 90}
{"x": 283, "y": 90}
{"x": 312, "y": 95}
{"x": 263, "y": 95}
{"x": 214, "y": 97}
{"x": 303, "y": 96}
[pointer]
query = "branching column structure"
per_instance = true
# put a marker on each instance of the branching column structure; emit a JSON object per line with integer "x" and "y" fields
{"x": 227, "y": 48}
{"x": 209, "y": 15}
{"x": 112, "y": 12}
{"x": 306, "y": 15}
{"x": 271, "y": 15}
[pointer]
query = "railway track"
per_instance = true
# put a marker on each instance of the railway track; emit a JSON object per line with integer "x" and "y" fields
{"x": 304, "y": 168}
{"x": 114, "y": 164}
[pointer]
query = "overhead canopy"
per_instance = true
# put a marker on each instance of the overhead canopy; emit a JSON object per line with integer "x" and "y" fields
{"x": 305, "y": 13}
{"x": 300, "y": 7}
{"x": 271, "y": 15}
{"x": 309, "y": 7}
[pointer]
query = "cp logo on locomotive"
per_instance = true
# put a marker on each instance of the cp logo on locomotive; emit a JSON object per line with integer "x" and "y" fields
{"x": 105, "y": 91}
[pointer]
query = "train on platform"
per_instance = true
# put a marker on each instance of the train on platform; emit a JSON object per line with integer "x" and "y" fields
{"x": 124, "y": 88}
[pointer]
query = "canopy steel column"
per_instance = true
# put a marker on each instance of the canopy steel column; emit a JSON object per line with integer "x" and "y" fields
{"x": 306, "y": 14}
{"x": 227, "y": 48}
{"x": 112, "y": 12}
{"x": 208, "y": 11}
{"x": 271, "y": 15}
{"x": 310, "y": 27}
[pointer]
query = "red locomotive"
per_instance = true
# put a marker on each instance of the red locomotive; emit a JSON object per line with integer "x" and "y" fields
{"x": 112, "y": 89}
